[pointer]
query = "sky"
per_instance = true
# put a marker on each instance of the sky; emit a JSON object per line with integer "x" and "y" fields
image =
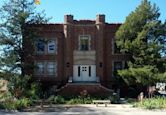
{"x": 115, "y": 10}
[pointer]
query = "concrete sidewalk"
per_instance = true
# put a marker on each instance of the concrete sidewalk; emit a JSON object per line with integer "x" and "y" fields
{"x": 86, "y": 109}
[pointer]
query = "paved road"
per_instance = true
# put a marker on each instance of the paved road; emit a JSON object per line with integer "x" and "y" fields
{"x": 87, "y": 110}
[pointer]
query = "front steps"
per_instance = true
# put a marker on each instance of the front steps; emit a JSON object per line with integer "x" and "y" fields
{"x": 92, "y": 89}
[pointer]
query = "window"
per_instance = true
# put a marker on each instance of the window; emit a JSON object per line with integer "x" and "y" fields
{"x": 115, "y": 49}
{"x": 117, "y": 65}
{"x": 84, "y": 43}
{"x": 51, "y": 68}
{"x": 40, "y": 46}
{"x": 52, "y": 46}
{"x": 83, "y": 68}
{"x": 40, "y": 68}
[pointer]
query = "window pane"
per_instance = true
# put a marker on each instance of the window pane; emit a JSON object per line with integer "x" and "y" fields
{"x": 51, "y": 68}
{"x": 117, "y": 66}
{"x": 51, "y": 47}
{"x": 84, "y": 42}
{"x": 40, "y": 68}
{"x": 40, "y": 46}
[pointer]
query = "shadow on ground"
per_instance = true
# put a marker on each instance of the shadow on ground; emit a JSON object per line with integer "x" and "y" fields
{"x": 56, "y": 108}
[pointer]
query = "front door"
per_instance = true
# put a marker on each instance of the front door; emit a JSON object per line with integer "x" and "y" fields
{"x": 84, "y": 73}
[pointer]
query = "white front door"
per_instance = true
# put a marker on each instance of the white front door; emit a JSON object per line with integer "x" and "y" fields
{"x": 84, "y": 73}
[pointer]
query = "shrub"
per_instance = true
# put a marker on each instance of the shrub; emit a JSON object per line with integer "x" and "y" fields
{"x": 12, "y": 104}
{"x": 114, "y": 98}
{"x": 56, "y": 99}
{"x": 80, "y": 100}
{"x": 152, "y": 103}
{"x": 33, "y": 91}
{"x": 23, "y": 103}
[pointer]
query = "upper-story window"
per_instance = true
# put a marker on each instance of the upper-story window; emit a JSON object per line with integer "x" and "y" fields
{"x": 46, "y": 46}
{"x": 115, "y": 49}
{"x": 40, "y": 46}
{"x": 84, "y": 42}
{"x": 52, "y": 48}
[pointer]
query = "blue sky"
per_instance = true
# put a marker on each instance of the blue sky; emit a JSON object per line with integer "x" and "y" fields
{"x": 115, "y": 10}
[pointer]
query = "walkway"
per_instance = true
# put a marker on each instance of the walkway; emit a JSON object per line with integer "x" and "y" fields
{"x": 86, "y": 110}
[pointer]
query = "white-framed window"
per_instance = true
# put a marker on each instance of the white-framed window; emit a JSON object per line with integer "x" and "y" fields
{"x": 84, "y": 42}
{"x": 52, "y": 46}
{"x": 40, "y": 68}
{"x": 40, "y": 46}
{"x": 51, "y": 68}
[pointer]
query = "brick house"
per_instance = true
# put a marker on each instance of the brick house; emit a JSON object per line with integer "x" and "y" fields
{"x": 81, "y": 52}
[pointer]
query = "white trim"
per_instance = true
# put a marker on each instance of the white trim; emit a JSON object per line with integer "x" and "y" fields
{"x": 54, "y": 42}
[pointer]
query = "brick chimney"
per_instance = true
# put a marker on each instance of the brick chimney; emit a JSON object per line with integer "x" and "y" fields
{"x": 100, "y": 19}
{"x": 68, "y": 19}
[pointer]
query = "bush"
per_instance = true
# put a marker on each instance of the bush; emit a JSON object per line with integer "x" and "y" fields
{"x": 114, "y": 98}
{"x": 23, "y": 103}
{"x": 152, "y": 103}
{"x": 80, "y": 100}
{"x": 56, "y": 99}
{"x": 34, "y": 91}
{"x": 12, "y": 104}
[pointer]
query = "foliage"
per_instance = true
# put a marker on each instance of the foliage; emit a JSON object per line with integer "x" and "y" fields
{"x": 143, "y": 37}
{"x": 114, "y": 98}
{"x": 72, "y": 100}
{"x": 11, "y": 104}
{"x": 56, "y": 99}
{"x": 152, "y": 103}
{"x": 15, "y": 15}
{"x": 138, "y": 75}
{"x": 34, "y": 91}
{"x": 80, "y": 100}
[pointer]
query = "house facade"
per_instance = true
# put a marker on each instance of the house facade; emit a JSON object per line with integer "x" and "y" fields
{"x": 77, "y": 51}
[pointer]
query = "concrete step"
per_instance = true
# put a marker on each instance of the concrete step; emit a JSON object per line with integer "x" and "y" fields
{"x": 92, "y": 89}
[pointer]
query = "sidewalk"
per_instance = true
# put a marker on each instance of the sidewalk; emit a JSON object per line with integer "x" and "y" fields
{"x": 86, "y": 109}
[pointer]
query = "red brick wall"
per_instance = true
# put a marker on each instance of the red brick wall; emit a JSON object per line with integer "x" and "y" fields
{"x": 67, "y": 35}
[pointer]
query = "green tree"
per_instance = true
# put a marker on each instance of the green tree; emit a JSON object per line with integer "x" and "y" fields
{"x": 15, "y": 15}
{"x": 142, "y": 36}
